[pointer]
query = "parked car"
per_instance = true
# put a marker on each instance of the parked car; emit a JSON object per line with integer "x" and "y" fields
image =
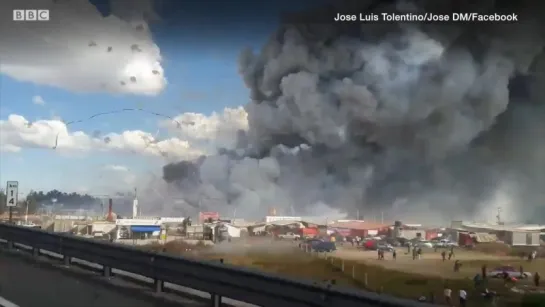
{"x": 385, "y": 247}
{"x": 511, "y": 271}
{"x": 324, "y": 247}
{"x": 289, "y": 236}
{"x": 311, "y": 242}
{"x": 423, "y": 243}
{"x": 376, "y": 245}
{"x": 445, "y": 243}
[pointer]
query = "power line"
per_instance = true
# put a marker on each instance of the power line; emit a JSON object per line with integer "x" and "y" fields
{"x": 107, "y": 140}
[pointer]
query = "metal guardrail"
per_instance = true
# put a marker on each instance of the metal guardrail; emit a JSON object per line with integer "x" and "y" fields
{"x": 220, "y": 280}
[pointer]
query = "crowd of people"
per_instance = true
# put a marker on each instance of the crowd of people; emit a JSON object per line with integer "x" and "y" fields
{"x": 480, "y": 280}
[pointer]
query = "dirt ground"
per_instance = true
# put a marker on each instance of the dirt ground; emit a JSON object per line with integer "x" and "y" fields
{"x": 431, "y": 262}
{"x": 348, "y": 266}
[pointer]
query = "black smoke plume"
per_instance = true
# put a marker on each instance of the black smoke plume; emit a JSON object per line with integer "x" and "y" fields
{"x": 414, "y": 120}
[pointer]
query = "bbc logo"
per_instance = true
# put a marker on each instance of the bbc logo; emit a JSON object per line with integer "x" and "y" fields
{"x": 30, "y": 15}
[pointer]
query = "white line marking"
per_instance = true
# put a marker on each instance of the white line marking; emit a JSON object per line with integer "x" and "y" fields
{"x": 6, "y": 303}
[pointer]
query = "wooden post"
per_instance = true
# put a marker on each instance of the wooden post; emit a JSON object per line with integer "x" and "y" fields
{"x": 159, "y": 285}
{"x": 216, "y": 300}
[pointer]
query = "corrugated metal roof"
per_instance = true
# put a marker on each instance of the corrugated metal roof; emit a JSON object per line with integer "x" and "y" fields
{"x": 277, "y": 223}
{"x": 532, "y": 227}
{"x": 359, "y": 225}
{"x": 485, "y": 237}
{"x": 511, "y": 227}
{"x": 316, "y": 220}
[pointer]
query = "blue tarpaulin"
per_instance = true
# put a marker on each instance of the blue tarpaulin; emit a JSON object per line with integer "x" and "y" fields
{"x": 145, "y": 228}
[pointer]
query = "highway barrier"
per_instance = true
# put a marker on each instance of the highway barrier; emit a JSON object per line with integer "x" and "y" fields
{"x": 220, "y": 280}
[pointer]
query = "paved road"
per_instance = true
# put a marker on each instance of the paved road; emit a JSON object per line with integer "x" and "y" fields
{"x": 26, "y": 283}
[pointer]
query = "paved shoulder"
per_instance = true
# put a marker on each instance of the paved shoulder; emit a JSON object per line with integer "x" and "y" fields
{"x": 5, "y": 303}
{"x": 27, "y": 284}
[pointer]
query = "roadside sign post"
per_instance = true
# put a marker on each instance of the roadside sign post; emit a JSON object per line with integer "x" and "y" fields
{"x": 12, "y": 194}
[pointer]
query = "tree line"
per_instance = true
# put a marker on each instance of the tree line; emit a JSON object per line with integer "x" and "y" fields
{"x": 35, "y": 199}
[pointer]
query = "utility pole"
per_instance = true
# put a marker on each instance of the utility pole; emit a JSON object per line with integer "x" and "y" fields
{"x": 135, "y": 207}
{"x": 26, "y": 212}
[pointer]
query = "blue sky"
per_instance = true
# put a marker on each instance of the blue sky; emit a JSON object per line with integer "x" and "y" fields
{"x": 200, "y": 64}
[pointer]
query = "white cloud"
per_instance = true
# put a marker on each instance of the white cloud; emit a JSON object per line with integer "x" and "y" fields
{"x": 79, "y": 50}
{"x": 116, "y": 168}
{"x": 216, "y": 130}
{"x": 38, "y": 100}
{"x": 10, "y": 148}
{"x": 19, "y": 133}
{"x": 219, "y": 128}
{"x": 122, "y": 174}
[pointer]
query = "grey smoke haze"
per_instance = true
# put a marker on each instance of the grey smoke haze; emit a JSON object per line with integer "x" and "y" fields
{"x": 417, "y": 121}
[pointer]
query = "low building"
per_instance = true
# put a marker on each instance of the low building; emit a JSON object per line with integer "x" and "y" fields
{"x": 137, "y": 228}
{"x": 433, "y": 233}
{"x": 222, "y": 231}
{"x": 514, "y": 234}
{"x": 411, "y": 231}
{"x": 358, "y": 228}
{"x": 522, "y": 238}
{"x": 274, "y": 218}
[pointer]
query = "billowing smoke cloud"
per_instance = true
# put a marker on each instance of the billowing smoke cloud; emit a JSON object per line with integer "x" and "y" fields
{"x": 415, "y": 121}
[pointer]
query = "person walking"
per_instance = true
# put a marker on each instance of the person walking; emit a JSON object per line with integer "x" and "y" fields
{"x": 463, "y": 298}
{"x": 477, "y": 280}
{"x": 447, "y": 292}
{"x": 457, "y": 265}
{"x": 394, "y": 254}
{"x": 490, "y": 297}
{"x": 536, "y": 279}
{"x": 444, "y": 255}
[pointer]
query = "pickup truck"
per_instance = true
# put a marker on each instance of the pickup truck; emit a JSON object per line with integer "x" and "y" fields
{"x": 445, "y": 243}
{"x": 289, "y": 236}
